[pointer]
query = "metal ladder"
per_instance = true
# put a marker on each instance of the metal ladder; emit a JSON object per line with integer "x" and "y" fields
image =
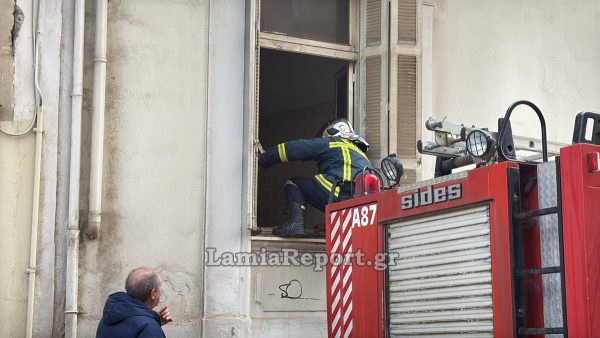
{"x": 521, "y": 220}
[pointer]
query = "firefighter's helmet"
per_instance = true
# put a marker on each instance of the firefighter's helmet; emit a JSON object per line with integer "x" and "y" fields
{"x": 343, "y": 128}
{"x": 337, "y": 127}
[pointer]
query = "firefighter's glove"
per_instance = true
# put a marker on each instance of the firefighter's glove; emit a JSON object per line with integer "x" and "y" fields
{"x": 263, "y": 161}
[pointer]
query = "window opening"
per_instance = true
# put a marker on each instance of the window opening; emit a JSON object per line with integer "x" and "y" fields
{"x": 298, "y": 94}
{"x": 341, "y": 93}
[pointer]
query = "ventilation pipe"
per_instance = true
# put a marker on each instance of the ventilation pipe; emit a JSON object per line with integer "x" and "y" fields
{"x": 97, "y": 147}
{"x": 73, "y": 217}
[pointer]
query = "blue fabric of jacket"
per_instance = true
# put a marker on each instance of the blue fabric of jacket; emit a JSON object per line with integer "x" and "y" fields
{"x": 125, "y": 316}
{"x": 338, "y": 159}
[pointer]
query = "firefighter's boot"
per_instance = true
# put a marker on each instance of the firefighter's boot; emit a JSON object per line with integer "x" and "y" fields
{"x": 294, "y": 226}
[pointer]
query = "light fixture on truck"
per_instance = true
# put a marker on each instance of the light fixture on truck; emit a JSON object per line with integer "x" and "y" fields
{"x": 392, "y": 169}
{"x": 480, "y": 144}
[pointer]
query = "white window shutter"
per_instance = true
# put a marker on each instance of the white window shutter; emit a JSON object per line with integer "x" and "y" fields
{"x": 373, "y": 75}
{"x": 406, "y": 105}
{"x": 405, "y": 79}
{"x": 407, "y": 21}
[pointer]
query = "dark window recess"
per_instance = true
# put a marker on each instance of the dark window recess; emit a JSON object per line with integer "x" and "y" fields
{"x": 322, "y": 20}
{"x": 297, "y": 97}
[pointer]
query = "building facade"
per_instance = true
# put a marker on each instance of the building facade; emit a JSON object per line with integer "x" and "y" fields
{"x": 145, "y": 154}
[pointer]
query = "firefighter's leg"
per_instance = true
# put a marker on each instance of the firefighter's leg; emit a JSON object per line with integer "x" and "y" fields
{"x": 294, "y": 226}
{"x": 312, "y": 192}
{"x": 298, "y": 192}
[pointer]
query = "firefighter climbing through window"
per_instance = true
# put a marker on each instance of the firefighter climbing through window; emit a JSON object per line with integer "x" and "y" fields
{"x": 340, "y": 155}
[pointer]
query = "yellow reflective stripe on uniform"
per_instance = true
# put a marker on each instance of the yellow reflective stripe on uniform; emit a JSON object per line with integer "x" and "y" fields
{"x": 347, "y": 144}
{"x": 347, "y": 164}
{"x": 327, "y": 185}
{"x": 282, "y": 154}
{"x": 324, "y": 182}
{"x": 345, "y": 149}
{"x": 354, "y": 147}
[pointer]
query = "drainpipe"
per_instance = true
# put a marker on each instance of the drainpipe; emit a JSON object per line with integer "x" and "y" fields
{"x": 73, "y": 217}
{"x": 97, "y": 147}
{"x": 39, "y": 132}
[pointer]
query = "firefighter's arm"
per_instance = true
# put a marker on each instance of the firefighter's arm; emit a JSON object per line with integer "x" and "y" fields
{"x": 268, "y": 158}
{"x": 298, "y": 150}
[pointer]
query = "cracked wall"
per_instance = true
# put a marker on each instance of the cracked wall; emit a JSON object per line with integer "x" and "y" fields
{"x": 16, "y": 169}
{"x": 11, "y": 19}
{"x": 16, "y": 164}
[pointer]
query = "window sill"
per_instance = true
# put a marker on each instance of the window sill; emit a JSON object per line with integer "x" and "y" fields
{"x": 293, "y": 240}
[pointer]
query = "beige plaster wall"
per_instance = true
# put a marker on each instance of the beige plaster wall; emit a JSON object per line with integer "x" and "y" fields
{"x": 16, "y": 185}
{"x": 17, "y": 157}
{"x": 154, "y": 164}
{"x": 488, "y": 54}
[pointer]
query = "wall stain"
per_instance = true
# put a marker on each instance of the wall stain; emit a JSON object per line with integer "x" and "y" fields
{"x": 180, "y": 291}
{"x": 19, "y": 17}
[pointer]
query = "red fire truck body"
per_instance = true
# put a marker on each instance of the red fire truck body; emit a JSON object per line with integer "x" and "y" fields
{"x": 476, "y": 253}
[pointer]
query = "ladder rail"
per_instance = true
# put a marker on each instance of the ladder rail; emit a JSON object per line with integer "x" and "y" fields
{"x": 561, "y": 245}
{"x": 519, "y": 221}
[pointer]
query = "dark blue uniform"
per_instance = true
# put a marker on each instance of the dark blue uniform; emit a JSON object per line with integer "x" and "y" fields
{"x": 338, "y": 159}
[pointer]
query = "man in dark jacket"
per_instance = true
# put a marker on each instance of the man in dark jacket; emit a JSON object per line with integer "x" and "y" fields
{"x": 130, "y": 314}
{"x": 340, "y": 155}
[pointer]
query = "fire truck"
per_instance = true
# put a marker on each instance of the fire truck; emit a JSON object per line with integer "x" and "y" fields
{"x": 510, "y": 248}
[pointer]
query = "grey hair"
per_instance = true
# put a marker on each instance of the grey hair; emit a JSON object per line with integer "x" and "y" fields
{"x": 142, "y": 287}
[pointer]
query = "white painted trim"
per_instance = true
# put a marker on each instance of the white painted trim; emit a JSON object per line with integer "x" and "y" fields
{"x": 251, "y": 81}
{"x": 425, "y": 167}
{"x": 305, "y": 46}
{"x": 290, "y": 240}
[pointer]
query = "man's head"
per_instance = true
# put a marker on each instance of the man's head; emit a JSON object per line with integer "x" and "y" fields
{"x": 144, "y": 284}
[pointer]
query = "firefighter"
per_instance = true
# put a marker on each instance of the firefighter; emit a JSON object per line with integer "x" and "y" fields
{"x": 340, "y": 155}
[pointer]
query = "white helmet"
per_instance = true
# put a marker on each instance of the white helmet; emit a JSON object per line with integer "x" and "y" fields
{"x": 343, "y": 128}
